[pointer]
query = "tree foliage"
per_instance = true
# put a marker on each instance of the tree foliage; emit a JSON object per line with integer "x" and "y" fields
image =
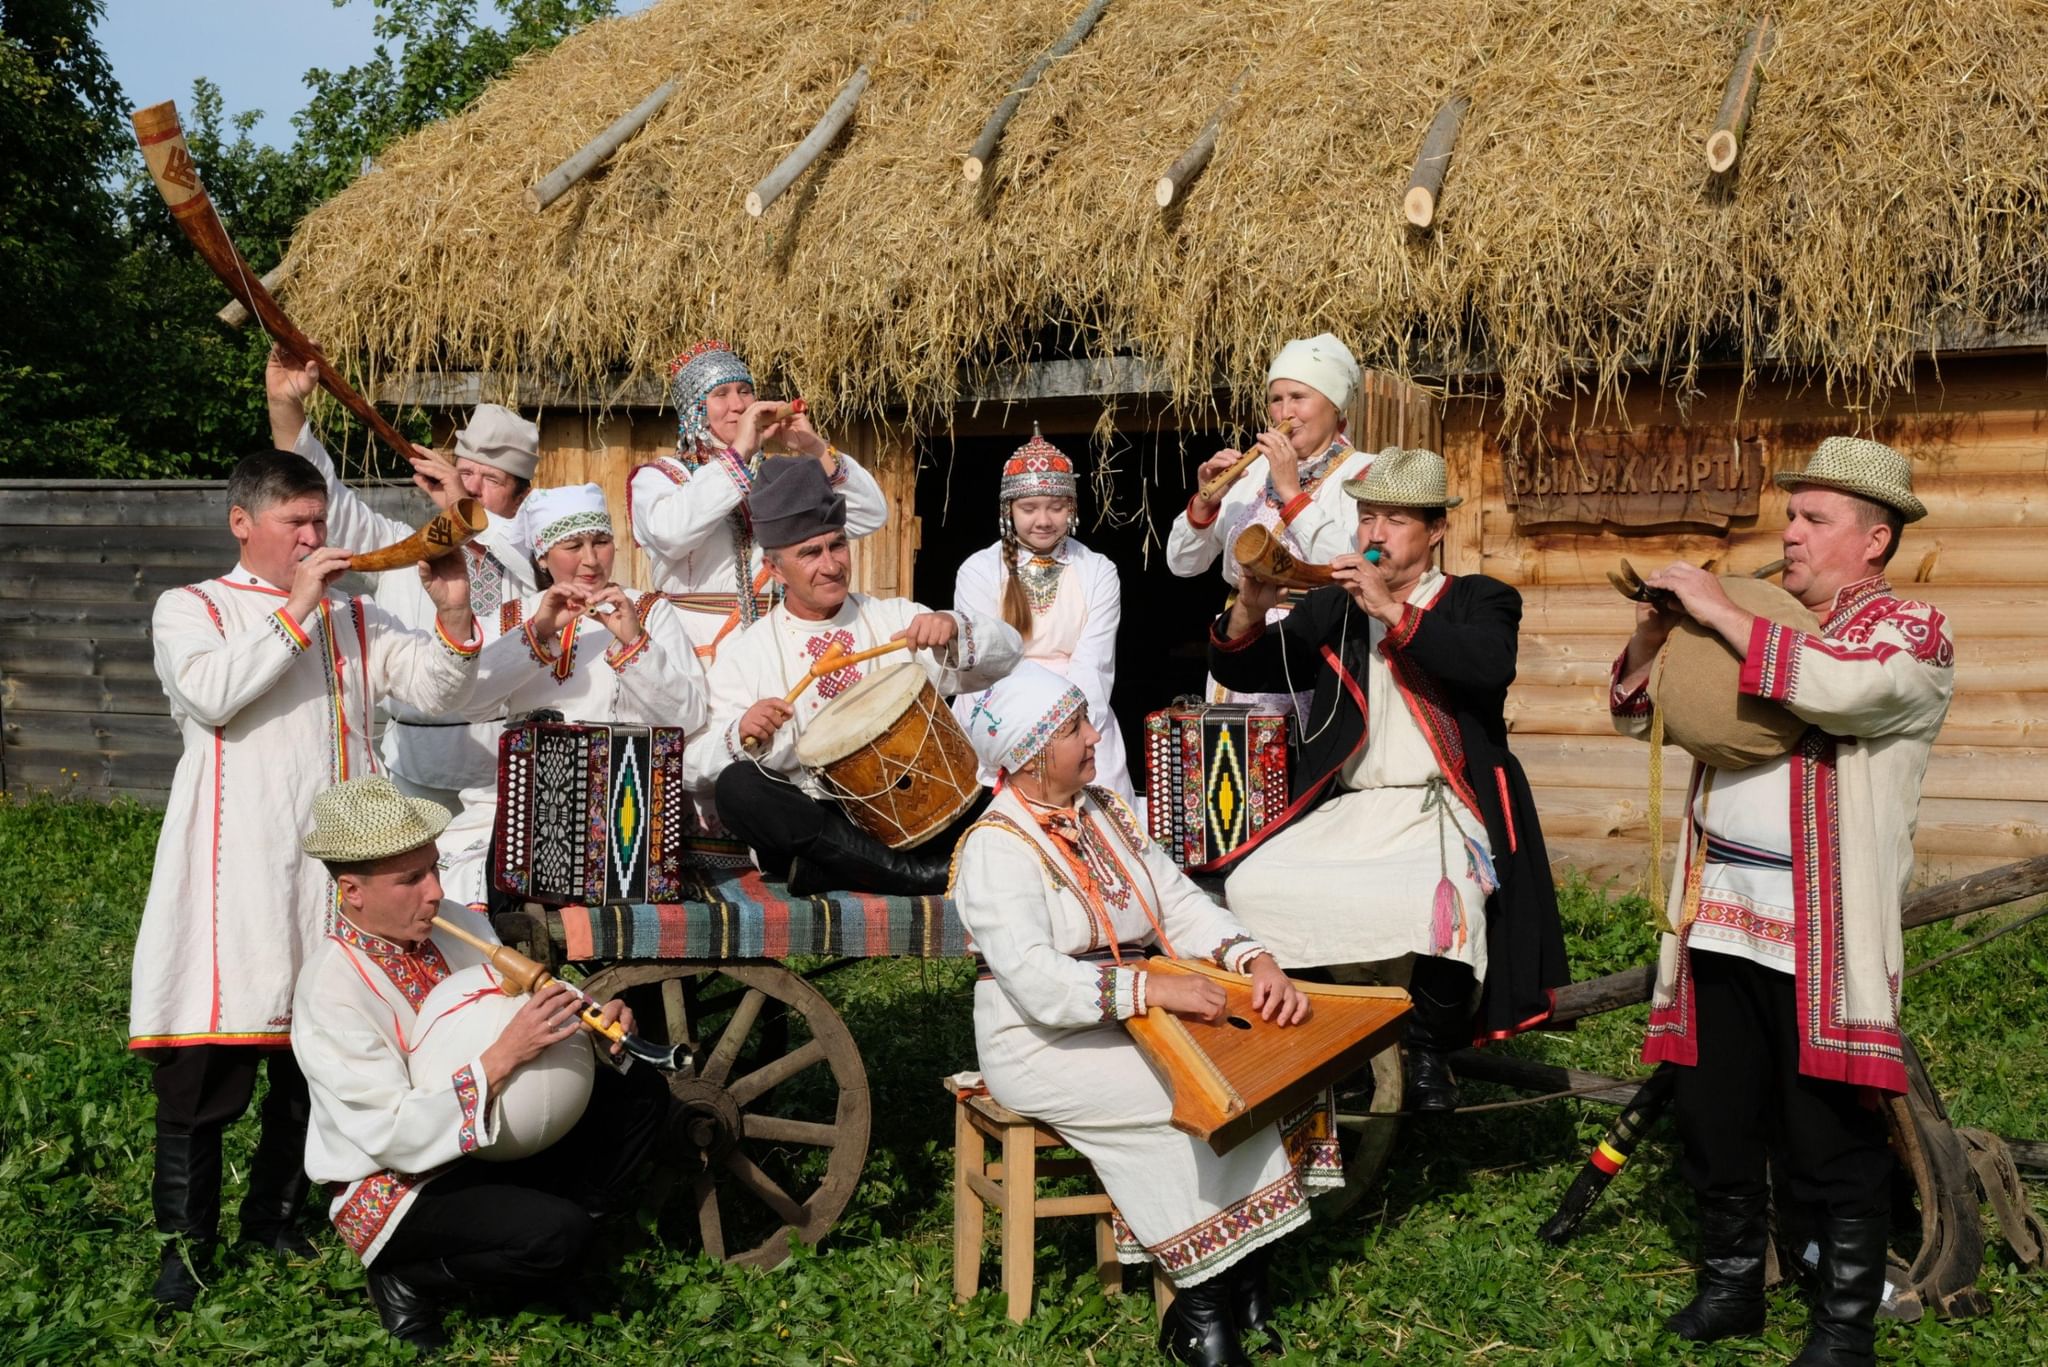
{"x": 112, "y": 364}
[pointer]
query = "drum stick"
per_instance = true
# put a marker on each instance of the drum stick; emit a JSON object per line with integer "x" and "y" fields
{"x": 1213, "y": 490}
{"x": 831, "y": 662}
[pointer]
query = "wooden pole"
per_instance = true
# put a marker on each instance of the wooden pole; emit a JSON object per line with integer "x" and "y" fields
{"x": 817, "y": 140}
{"x": 594, "y": 153}
{"x": 984, "y": 149}
{"x": 1433, "y": 162}
{"x": 1195, "y": 160}
{"x": 236, "y": 314}
{"x": 1738, "y": 97}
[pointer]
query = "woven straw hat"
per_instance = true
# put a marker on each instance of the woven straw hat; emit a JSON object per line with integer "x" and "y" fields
{"x": 1856, "y": 465}
{"x": 368, "y": 818}
{"x": 1404, "y": 479}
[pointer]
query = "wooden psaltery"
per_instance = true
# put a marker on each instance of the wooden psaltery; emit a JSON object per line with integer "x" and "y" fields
{"x": 1232, "y": 1079}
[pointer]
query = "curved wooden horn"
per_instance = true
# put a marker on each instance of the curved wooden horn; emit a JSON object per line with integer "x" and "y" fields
{"x": 450, "y": 530}
{"x": 1260, "y": 555}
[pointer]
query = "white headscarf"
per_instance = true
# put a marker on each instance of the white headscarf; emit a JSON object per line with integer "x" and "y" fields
{"x": 1322, "y": 363}
{"x": 552, "y": 515}
{"x": 1011, "y": 722}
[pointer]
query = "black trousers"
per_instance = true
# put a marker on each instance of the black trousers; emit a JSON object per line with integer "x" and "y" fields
{"x": 510, "y": 1226}
{"x": 1746, "y": 1101}
{"x": 201, "y": 1087}
{"x": 779, "y": 820}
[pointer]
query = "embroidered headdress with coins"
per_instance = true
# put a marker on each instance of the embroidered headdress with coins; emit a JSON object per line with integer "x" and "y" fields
{"x": 1037, "y": 469}
{"x": 691, "y": 378}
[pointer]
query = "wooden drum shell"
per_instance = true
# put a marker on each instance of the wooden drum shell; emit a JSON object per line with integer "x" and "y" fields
{"x": 907, "y": 781}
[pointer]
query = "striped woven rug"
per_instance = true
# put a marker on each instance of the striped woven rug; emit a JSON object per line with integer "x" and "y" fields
{"x": 748, "y": 917}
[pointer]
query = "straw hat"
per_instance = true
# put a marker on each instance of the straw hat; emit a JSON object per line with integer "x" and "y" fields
{"x": 1856, "y": 465}
{"x": 368, "y": 818}
{"x": 1404, "y": 479}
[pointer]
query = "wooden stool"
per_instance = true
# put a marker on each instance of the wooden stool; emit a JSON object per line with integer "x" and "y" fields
{"x": 1010, "y": 1184}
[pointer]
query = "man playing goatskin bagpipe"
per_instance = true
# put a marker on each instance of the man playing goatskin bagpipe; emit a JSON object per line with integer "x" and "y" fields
{"x": 1411, "y": 829}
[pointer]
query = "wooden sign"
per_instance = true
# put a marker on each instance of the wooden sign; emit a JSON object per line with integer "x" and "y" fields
{"x": 1643, "y": 477}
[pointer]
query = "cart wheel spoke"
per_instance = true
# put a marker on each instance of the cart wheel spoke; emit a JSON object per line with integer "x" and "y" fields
{"x": 709, "y": 1225}
{"x": 734, "y": 1037}
{"x": 746, "y": 1089}
{"x": 763, "y": 1186}
{"x": 776, "y": 1129}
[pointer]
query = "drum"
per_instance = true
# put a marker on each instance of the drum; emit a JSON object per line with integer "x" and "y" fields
{"x": 1697, "y": 684}
{"x": 891, "y": 752}
{"x": 591, "y": 814}
{"x": 540, "y": 1102}
{"x": 1216, "y": 775}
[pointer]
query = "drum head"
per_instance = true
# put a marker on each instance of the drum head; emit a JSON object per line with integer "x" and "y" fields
{"x": 859, "y": 715}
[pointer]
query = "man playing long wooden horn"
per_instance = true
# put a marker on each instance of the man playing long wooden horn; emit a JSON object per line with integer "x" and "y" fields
{"x": 273, "y": 678}
{"x": 427, "y": 755}
{"x": 1778, "y": 981}
{"x": 400, "y": 1114}
{"x": 747, "y": 755}
{"x": 1411, "y": 831}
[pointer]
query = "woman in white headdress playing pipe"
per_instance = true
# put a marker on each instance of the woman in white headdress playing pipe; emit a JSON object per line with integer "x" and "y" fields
{"x": 1294, "y": 487}
{"x": 1063, "y": 896}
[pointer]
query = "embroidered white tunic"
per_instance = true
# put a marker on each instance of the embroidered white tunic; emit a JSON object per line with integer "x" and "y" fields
{"x": 1074, "y": 635}
{"x": 1355, "y": 880}
{"x": 1051, "y": 1046}
{"x": 425, "y": 750}
{"x": 271, "y": 712}
{"x": 377, "y": 1131}
{"x": 586, "y": 676}
{"x": 693, "y": 525}
{"x": 767, "y": 659}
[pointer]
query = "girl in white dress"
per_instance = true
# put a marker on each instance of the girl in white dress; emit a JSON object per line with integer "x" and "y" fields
{"x": 1064, "y": 599}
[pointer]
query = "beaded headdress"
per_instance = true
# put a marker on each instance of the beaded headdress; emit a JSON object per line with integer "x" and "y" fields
{"x": 1036, "y": 469}
{"x": 691, "y": 378}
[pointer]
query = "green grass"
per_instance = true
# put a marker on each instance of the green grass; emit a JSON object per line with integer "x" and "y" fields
{"x": 1439, "y": 1264}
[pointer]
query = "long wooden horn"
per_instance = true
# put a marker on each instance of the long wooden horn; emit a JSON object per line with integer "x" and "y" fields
{"x": 449, "y": 530}
{"x": 162, "y": 139}
{"x": 1260, "y": 555}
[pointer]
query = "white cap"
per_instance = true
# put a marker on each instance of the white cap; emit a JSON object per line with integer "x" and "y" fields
{"x": 1322, "y": 363}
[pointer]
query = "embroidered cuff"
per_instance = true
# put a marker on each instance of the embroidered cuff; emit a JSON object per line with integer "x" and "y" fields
{"x": 542, "y": 656}
{"x": 1196, "y": 520}
{"x": 1140, "y": 980}
{"x": 1116, "y": 991}
{"x": 1236, "y": 952}
{"x": 1633, "y": 704}
{"x": 1292, "y": 508}
{"x": 838, "y": 459}
{"x": 469, "y": 1095}
{"x": 1771, "y": 668}
{"x": 1403, "y": 631}
{"x": 736, "y": 470}
{"x": 281, "y": 622}
{"x": 618, "y": 657}
{"x": 462, "y": 650}
{"x": 1232, "y": 644}
{"x": 510, "y": 614}
{"x": 734, "y": 749}
{"x": 964, "y": 651}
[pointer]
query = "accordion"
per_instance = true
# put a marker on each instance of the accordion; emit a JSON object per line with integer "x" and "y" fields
{"x": 1216, "y": 776}
{"x": 590, "y": 814}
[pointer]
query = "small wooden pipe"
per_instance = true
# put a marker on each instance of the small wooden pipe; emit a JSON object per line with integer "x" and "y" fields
{"x": 783, "y": 412}
{"x": 1213, "y": 490}
{"x": 1260, "y": 555}
{"x": 447, "y": 532}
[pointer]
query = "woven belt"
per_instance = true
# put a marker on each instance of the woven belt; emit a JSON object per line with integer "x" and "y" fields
{"x": 718, "y": 602}
{"x": 1093, "y": 956}
{"x": 1743, "y": 856}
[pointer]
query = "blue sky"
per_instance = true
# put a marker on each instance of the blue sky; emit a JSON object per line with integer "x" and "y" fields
{"x": 256, "y": 51}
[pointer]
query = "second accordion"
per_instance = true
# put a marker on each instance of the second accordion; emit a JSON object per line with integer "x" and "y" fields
{"x": 590, "y": 814}
{"x": 1216, "y": 775}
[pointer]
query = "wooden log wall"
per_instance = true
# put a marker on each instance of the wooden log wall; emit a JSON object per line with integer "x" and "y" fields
{"x": 81, "y": 710}
{"x": 1978, "y": 435}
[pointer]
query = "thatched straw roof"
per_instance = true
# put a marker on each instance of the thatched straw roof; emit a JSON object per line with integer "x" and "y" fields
{"x": 1894, "y": 183}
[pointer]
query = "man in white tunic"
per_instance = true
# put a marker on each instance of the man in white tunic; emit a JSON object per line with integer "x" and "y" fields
{"x": 273, "y": 678}
{"x": 1778, "y": 979}
{"x": 431, "y": 756}
{"x": 1411, "y": 832}
{"x": 1064, "y": 599}
{"x": 588, "y": 648}
{"x": 428, "y": 1220}
{"x": 690, "y": 511}
{"x": 1064, "y": 897}
{"x": 764, "y": 796}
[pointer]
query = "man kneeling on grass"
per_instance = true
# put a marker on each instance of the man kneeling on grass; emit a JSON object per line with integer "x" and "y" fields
{"x": 395, "y": 1123}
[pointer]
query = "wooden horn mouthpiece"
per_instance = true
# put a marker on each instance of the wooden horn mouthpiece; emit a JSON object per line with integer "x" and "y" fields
{"x": 448, "y": 531}
{"x": 1260, "y": 555}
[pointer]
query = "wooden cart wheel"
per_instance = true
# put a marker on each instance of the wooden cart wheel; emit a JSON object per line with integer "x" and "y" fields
{"x": 775, "y": 1108}
{"x": 1366, "y": 1128}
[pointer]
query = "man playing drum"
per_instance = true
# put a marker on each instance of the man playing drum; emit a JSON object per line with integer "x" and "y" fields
{"x": 427, "y": 1217}
{"x": 1412, "y": 829}
{"x": 428, "y": 755}
{"x": 1787, "y": 1027}
{"x": 748, "y": 754}
{"x": 272, "y": 678}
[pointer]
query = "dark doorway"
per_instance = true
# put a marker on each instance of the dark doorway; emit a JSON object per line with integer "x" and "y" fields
{"x": 1161, "y": 643}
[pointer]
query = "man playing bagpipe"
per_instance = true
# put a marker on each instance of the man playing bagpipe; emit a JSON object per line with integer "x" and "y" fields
{"x": 449, "y": 1120}
{"x": 1411, "y": 829}
{"x": 1786, "y": 1029}
{"x": 748, "y": 753}
{"x": 273, "y": 678}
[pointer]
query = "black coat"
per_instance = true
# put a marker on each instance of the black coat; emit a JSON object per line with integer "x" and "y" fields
{"x": 1456, "y": 659}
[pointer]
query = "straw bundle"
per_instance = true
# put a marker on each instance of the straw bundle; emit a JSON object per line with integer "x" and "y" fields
{"x": 1894, "y": 182}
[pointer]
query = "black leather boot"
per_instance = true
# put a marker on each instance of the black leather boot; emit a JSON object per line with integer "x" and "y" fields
{"x": 845, "y": 857}
{"x": 1432, "y": 1086}
{"x": 1440, "y": 1021}
{"x": 1843, "y": 1330}
{"x": 277, "y": 1189}
{"x": 1730, "y": 1299}
{"x": 1251, "y": 1304}
{"x": 407, "y": 1303}
{"x": 185, "y": 1194}
{"x": 1199, "y": 1328}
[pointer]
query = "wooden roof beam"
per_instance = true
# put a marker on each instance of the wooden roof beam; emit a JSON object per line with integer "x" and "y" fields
{"x": 984, "y": 149}
{"x": 598, "y": 150}
{"x": 1738, "y": 97}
